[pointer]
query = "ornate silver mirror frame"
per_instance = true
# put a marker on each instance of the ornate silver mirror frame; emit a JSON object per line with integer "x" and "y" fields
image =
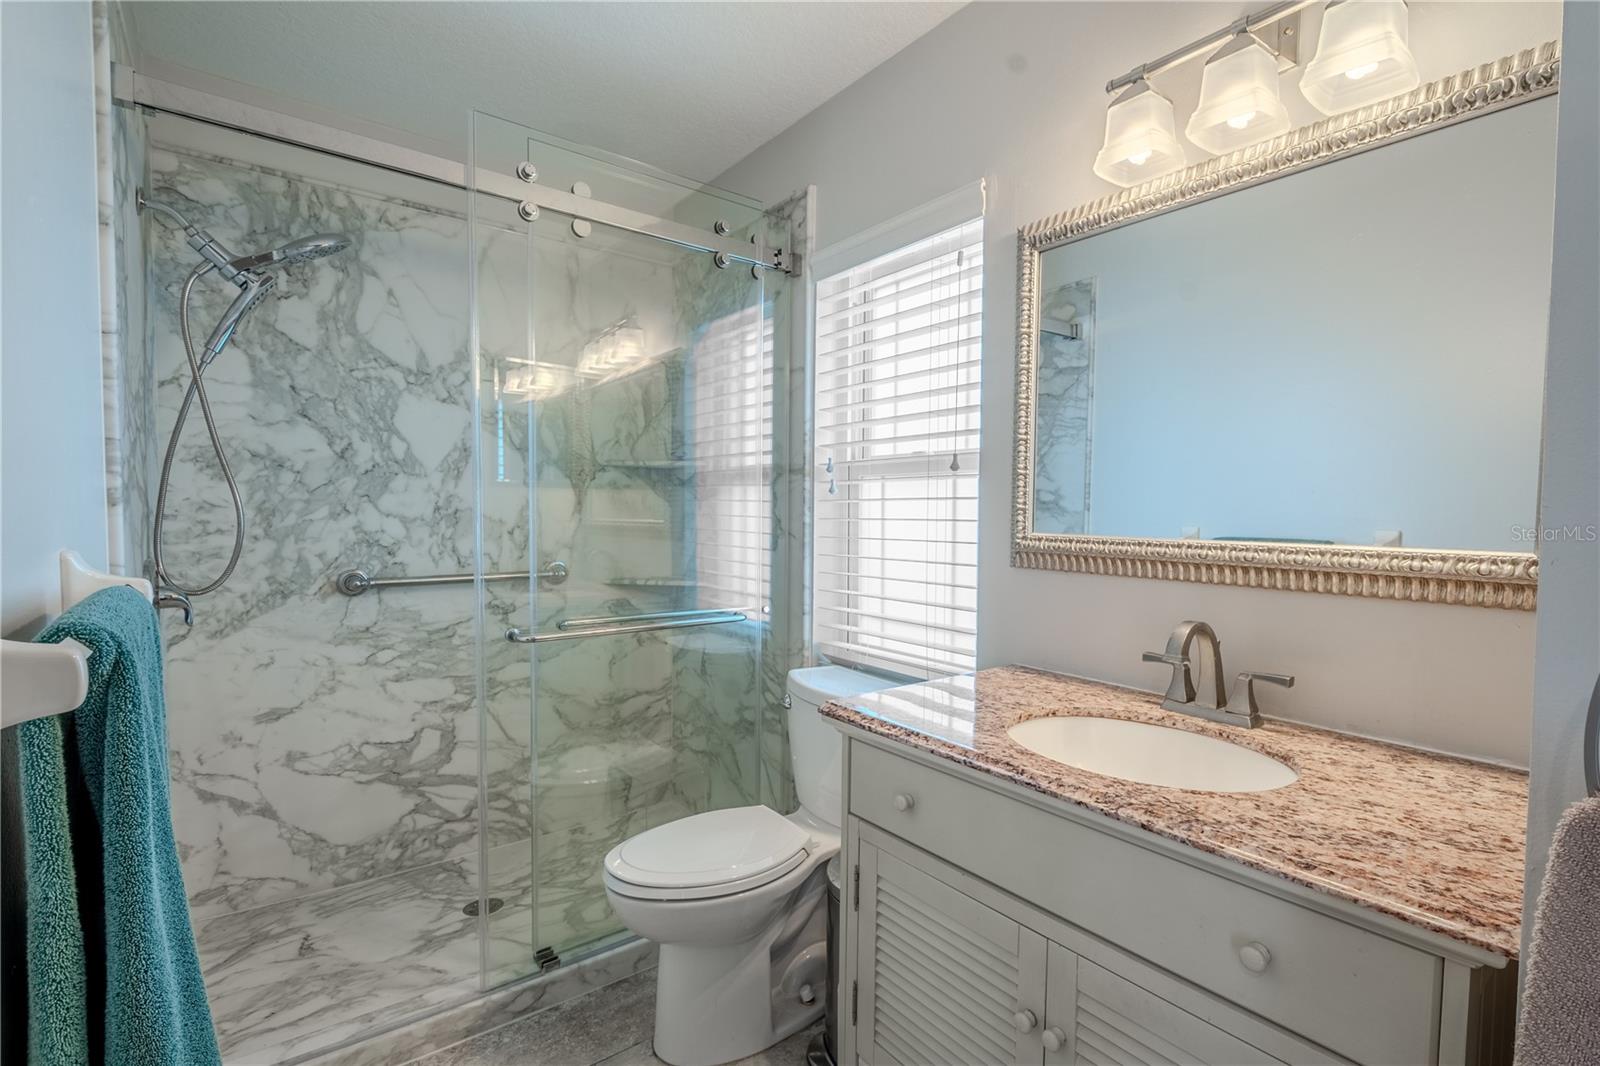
{"x": 1480, "y": 578}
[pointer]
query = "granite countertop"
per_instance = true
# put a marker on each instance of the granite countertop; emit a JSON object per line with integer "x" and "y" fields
{"x": 1430, "y": 839}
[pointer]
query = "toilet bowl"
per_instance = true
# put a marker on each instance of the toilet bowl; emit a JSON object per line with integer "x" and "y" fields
{"x": 736, "y": 898}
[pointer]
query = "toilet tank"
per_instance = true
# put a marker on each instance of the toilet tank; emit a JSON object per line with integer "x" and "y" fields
{"x": 815, "y": 746}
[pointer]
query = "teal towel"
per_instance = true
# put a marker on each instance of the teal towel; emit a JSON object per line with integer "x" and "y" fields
{"x": 155, "y": 1009}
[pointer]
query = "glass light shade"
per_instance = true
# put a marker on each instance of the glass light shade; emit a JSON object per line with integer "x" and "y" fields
{"x": 1362, "y": 56}
{"x": 537, "y": 381}
{"x": 618, "y": 350}
{"x": 1141, "y": 138}
{"x": 1239, "y": 101}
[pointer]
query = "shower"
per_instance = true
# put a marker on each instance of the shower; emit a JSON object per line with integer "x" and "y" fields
{"x": 251, "y": 274}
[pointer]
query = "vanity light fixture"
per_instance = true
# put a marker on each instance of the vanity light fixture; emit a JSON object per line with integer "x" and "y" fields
{"x": 1239, "y": 101}
{"x": 536, "y": 381}
{"x": 1363, "y": 56}
{"x": 1141, "y": 138}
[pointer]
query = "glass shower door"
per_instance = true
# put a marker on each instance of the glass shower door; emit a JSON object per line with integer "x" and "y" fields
{"x": 626, "y": 398}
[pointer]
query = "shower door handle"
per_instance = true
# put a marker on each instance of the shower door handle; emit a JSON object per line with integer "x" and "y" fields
{"x": 622, "y": 624}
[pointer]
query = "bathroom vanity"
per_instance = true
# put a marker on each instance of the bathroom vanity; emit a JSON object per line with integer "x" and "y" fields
{"x": 1004, "y": 907}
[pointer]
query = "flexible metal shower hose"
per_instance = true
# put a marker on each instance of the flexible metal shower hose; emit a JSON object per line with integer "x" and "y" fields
{"x": 197, "y": 389}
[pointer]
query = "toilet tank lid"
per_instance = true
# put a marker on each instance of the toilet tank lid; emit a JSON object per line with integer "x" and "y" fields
{"x": 819, "y": 684}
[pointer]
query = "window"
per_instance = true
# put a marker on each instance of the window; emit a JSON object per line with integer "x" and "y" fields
{"x": 731, "y": 440}
{"x": 896, "y": 553}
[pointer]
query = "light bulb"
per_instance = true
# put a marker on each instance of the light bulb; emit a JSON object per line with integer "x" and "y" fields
{"x": 1362, "y": 56}
{"x": 1239, "y": 101}
{"x": 1141, "y": 144}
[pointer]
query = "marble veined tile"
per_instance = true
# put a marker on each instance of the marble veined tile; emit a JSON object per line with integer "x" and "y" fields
{"x": 496, "y": 1008}
{"x": 304, "y": 975}
{"x": 128, "y": 375}
{"x": 313, "y": 972}
{"x": 319, "y": 740}
{"x": 608, "y": 1027}
{"x": 582, "y": 1031}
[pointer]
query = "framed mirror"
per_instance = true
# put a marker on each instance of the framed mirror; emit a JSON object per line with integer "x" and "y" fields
{"x": 1314, "y": 364}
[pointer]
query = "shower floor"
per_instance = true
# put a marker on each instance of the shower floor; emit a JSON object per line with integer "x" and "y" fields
{"x": 290, "y": 979}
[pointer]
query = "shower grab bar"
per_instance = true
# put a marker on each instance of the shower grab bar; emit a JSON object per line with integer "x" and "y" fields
{"x": 627, "y": 623}
{"x": 355, "y": 582}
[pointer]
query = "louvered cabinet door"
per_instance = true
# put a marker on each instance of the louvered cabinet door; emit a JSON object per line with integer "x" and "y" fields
{"x": 943, "y": 980}
{"x": 1095, "y": 1018}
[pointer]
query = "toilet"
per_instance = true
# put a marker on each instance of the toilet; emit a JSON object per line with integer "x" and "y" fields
{"x": 736, "y": 898}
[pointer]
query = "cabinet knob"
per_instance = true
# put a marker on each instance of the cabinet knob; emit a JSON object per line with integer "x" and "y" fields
{"x": 1053, "y": 1038}
{"x": 1254, "y": 956}
{"x": 904, "y": 801}
{"x": 1025, "y": 1020}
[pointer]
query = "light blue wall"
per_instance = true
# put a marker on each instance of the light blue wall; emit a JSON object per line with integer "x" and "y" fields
{"x": 52, "y": 449}
{"x": 1568, "y": 650}
{"x": 1016, "y": 92}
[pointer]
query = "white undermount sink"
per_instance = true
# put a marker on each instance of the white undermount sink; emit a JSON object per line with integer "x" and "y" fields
{"x": 1151, "y": 754}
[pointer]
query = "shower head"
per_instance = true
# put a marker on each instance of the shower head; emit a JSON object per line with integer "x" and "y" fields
{"x": 302, "y": 250}
{"x": 253, "y": 279}
{"x": 255, "y": 288}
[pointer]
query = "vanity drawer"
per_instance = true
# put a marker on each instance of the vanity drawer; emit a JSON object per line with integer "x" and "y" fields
{"x": 1355, "y": 992}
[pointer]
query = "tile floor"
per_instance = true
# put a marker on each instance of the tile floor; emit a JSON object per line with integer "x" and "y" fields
{"x": 607, "y": 1027}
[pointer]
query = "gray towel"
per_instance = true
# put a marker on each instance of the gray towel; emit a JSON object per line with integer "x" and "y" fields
{"x": 1560, "y": 1024}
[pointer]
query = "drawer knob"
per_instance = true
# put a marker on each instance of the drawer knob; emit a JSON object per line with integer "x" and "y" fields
{"x": 1053, "y": 1038}
{"x": 1254, "y": 956}
{"x": 904, "y": 801}
{"x": 1025, "y": 1020}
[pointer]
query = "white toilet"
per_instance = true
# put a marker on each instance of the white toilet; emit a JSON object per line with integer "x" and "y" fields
{"x": 736, "y": 898}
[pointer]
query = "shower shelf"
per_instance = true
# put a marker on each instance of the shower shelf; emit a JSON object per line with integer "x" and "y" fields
{"x": 652, "y": 583}
{"x": 648, "y": 464}
{"x": 643, "y": 523}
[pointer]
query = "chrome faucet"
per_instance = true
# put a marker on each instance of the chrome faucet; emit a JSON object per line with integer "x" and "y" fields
{"x": 1212, "y": 703}
{"x": 1181, "y": 695}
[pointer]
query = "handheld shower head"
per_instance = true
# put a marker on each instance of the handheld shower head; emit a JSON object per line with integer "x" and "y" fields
{"x": 253, "y": 291}
{"x": 302, "y": 250}
{"x": 250, "y": 274}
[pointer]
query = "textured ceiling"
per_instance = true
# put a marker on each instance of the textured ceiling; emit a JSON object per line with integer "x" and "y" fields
{"x": 689, "y": 87}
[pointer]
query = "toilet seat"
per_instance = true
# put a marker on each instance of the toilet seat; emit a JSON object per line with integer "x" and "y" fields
{"x": 717, "y": 853}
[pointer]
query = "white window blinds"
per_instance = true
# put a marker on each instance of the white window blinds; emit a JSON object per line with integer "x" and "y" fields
{"x": 731, "y": 431}
{"x": 898, "y": 344}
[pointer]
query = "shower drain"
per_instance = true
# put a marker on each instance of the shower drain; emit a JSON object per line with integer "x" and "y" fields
{"x": 471, "y": 909}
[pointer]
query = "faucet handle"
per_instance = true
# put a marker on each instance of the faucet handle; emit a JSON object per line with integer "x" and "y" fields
{"x": 173, "y": 598}
{"x": 1165, "y": 657}
{"x": 1181, "y": 687}
{"x": 1242, "y": 704}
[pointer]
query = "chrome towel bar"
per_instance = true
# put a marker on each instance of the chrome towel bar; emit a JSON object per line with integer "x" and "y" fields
{"x": 617, "y": 625}
{"x": 654, "y": 616}
{"x": 355, "y": 582}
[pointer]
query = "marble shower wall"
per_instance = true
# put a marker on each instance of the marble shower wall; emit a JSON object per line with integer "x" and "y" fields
{"x": 319, "y": 740}
{"x": 127, "y": 371}
{"x": 1064, "y": 418}
{"x": 629, "y": 731}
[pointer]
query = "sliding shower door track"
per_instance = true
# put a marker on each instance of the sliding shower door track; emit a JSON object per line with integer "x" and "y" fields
{"x": 132, "y": 88}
